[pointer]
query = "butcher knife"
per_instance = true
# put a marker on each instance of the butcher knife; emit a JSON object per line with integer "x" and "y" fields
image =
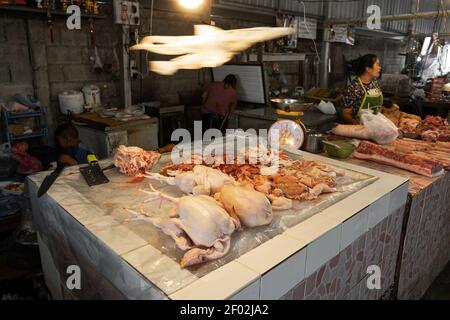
{"x": 92, "y": 173}
{"x": 50, "y": 179}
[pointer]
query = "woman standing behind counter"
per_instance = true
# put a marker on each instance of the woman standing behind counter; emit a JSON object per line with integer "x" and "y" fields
{"x": 364, "y": 91}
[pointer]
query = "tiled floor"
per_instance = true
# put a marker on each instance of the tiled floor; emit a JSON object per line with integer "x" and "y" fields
{"x": 440, "y": 288}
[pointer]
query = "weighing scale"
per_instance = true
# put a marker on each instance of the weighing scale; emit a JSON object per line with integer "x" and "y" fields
{"x": 292, "y": 130}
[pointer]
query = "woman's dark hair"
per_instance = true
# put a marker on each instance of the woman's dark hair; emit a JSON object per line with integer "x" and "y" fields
{"x": 66, "y": 131}
{"x": 359, "y": 65}
{"x": 230, "y": 80}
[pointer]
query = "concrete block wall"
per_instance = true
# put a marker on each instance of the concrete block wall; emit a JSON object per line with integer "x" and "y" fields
{"x": 167, "y": 89}
{"x": 392, "y": 61}
{"x": 15, "y": 68}
{"x": 387, "y": 50}
{"x": 69, "y": 65}
{"x": 33, "y": 63}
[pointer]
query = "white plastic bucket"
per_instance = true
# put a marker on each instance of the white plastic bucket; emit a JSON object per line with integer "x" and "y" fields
{"x": 72, "y": 101}
{"x": 92, "y": 96}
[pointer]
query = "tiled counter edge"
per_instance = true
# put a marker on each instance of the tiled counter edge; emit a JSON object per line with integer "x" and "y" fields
{"x": 312, "y": 258}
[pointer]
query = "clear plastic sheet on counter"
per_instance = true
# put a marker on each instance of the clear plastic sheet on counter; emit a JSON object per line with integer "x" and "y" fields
{"x": 64, "y": 242}
{"x": 106, "y": 202}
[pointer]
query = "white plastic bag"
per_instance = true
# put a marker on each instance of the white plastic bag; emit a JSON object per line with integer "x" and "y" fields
{"x": 326, "y": 107}
{"x": 381, "y": 129}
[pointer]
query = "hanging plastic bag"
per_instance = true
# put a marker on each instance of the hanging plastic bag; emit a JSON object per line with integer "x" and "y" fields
{"x": 381, "y": 129}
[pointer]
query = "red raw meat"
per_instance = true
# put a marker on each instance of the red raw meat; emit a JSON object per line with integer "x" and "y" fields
{"x": 371, "y": 151}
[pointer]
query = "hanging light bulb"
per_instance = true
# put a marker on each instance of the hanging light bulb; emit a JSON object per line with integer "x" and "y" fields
{"x": 190, "y": 4}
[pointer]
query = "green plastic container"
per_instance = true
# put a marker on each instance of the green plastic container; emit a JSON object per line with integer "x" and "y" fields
{"x": 339, "y": 148}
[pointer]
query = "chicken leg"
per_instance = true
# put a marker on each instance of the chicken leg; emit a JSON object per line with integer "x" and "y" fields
{"x": 199, "y": 255}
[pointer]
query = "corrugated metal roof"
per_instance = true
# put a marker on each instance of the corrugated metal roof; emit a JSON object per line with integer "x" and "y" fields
{"x": 347, "y": 9}
{"x": 429, "y": 5}
{"x": 313, "y": 7}
{"x": 358, "y": 9}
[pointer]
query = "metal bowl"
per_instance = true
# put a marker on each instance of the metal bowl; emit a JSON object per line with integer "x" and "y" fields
{"x": 289, "y": 105}
{"x": 314, "y": 142}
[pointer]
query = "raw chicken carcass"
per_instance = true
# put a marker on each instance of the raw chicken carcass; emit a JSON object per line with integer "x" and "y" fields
{"x": 293, "y": 188}
{"x": 134, "y": 160}
{"x": 260, "y": 154}
{"x": 317, "y": 190}
{"x": 290, "y": 186}
{"x": 201, "y": 180}
{"x": 251, "y": 207}
{"x": 198, "y": 224}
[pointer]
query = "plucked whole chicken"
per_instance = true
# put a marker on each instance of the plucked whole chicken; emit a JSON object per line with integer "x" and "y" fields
{"x": 251, "y": 207}
{"x": 225, "y": 196}
{"x": 198, "y": 224}
{"x": 201, "y": 180}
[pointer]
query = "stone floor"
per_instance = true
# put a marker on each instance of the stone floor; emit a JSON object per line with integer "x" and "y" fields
{"x": 440, "y": 288}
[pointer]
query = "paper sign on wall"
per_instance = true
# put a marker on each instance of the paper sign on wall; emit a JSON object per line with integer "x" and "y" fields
{"x": 341, "y": 33}
{"x": 311, "y": 25}
{"x": 290, "y": 21}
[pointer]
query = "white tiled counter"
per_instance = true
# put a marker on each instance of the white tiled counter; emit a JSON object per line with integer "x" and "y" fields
{"x": 326, "y": 256}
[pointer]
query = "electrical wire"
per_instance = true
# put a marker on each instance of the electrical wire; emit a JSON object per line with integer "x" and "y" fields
{"x": 429, "y": 50}
{"x": 146, "y": 73}
{"x": 441, "y": 56}
{"x": 445, "y": 15}
{"x": 309, "y": 32}
{"x": 151, "y": 17}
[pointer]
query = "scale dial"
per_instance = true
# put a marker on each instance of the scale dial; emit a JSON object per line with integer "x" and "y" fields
{"x": 291, "y": 134}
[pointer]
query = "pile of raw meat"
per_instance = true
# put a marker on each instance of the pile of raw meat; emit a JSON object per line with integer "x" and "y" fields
{"x": 292, "y": 179}
{"x": 134, "y": 160}
{"x": 221, "y": 197}
{"x": 405, "y": 155}
{"x": 438, "y": 151}
{"x": 434, "y": 128}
